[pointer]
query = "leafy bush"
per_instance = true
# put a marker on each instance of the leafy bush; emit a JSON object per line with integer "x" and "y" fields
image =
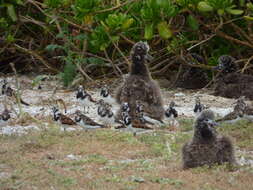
{"x": 96, "y": 32}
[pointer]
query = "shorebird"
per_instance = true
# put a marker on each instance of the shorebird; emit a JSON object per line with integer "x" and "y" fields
{"x": 236, "y": 115}
{"x": 84, "y": 98}
{"x": 9, "y": 92}
{"x": 106, "y": 116}
{"x": 198, "y": 108}
{"x": 145, "y": 118}
{"x": 106, "y": 96}
{"x": 61, "y": 119}
{"x": 86, "y": 122}
{"x": 4, "y": 117}
{"x": 171, "y": 113}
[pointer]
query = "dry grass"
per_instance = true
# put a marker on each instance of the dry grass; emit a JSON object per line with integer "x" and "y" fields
{"x": 106, "y": 159}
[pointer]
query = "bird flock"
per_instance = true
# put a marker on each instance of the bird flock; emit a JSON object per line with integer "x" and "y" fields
{"x": 141, "y": 109}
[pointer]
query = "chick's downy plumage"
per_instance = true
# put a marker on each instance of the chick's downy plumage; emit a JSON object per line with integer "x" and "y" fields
{"x": 139, "y": 85}
{"x": 229, "y": 83}
{"x": 207, "y": 147}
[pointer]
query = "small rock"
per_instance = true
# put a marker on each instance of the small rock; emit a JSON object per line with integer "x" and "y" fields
{"x": 69, "y": 129}
{"x": 180, "y": 94}
{"x": 50, "y": 157}
{"x": 4, "y": 175}
{"x": 73, "y": 157}
{"x": 138, "y": 179}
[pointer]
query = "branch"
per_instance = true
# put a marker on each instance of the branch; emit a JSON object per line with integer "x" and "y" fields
{"x": 126, "y": 39}
{"x": 246, "y": 65}
{"x": 38, "y": 4}
{"x": 18, "y": 95}
{"x": 30, "y": 19}
{"x": 114, "y": 8}
{"x": 243, "y": 33}
{"x": 115, "y": 68}
{"x": 83, "y": 72}
{"x": 222, "y": 34}
{"x": 36, "y": 56}
{"x": 121, "y": 53}
{"x": 201, "y": 42}
{"x": 161, "y": 63}
{"x": 96, "y": 56}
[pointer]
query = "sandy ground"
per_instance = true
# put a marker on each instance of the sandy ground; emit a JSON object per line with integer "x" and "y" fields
{"x": 40, "y": 107}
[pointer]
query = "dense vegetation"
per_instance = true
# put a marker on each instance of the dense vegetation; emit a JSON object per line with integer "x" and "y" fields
{"x": 93, "y": 37}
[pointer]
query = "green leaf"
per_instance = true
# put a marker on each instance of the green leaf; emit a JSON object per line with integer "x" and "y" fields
{"x": 60, "y": 35}
{"x": 204, "y": 7}
{"x": 80, "y": 37}
{"x": 19, "y": 2}
{"x": 192, "y": 22}
{"x": 11, "y": 12}
{"x": 69, "y": 73}
{"x": 149, "y": 30}
{"x": 127, "y": 23}
{"x": 234, "y": 11}
{"x": 250, "y": 6}
{"x": 10, "y": 38}
{"x": 96, "y": 61}
{"x": 115, "y": 38}
{"x": 220, "y": 12}
{"x": 248, "y": 18}
{"x": 53, "y": 47}
{"x": 164, "y": 30}
{"x": 37, "y": 79}
{"x": 3, "y": 23}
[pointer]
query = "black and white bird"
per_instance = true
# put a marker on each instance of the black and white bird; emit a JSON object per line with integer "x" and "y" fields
{"x": 126, "y": 121}
{"x": 207, "y": 147}
{"x": 4, "y": 117}
{"x": 144, "y": 118}
{"x": 198, "y": 108}
{"x": 86, "y": 122}
{"x": 125, "y": 107}
{"x": 247, "y": 109}
{"x": 237, "y": 113}
{"x": 248, "y": 113}
{"x": 171, "y": 114}
{"x": 9, "y": 92}
{"x": 6, "y": 89}
{"x": 61, "y": 119}
{"x": 106, "y": 96}
{"x": 84, "y": 99}
{"x": 133, "y": 126}
{"x": 106, "y": 116}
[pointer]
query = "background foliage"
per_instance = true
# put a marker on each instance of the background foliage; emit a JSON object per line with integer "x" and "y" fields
{"x": 94, "y": 37}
